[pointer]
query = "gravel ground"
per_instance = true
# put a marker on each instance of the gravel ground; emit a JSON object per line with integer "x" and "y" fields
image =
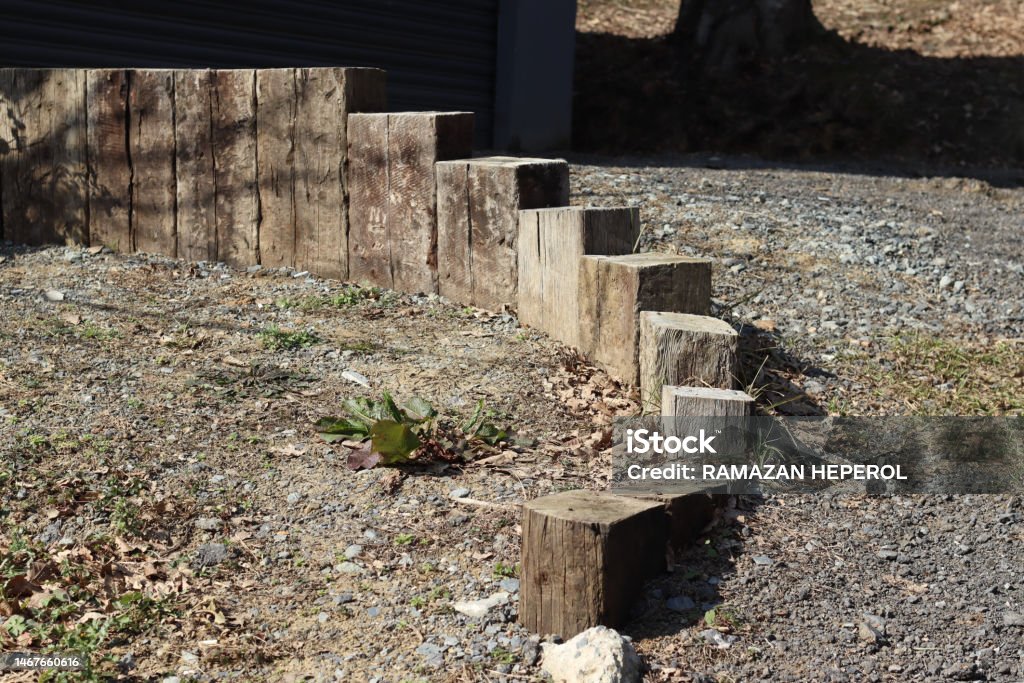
{"x": 279, "y": 563}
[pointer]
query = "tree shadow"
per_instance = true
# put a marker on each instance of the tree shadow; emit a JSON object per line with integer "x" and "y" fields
{"x": 831, "y": 100}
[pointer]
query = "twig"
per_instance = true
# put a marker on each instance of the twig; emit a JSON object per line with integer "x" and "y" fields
{"x": 484, "y": 503}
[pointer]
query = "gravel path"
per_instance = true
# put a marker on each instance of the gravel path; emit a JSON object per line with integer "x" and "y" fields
{"x": 289, "y": 565}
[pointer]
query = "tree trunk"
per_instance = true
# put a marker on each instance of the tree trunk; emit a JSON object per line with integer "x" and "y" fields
{"x": 723, "y": 35}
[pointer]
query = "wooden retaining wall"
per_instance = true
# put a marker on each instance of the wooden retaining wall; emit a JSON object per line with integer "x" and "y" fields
{"x": 241, "y": 166}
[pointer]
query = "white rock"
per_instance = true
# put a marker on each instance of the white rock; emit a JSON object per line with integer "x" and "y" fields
{"x": 358, "y": 378}
{"x": 598, "y": 655}
{"x": 54, "y": 295}
{"x": 478, "y": 608}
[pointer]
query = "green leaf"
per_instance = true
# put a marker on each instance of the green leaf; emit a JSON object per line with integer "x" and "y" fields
{"x": 339, "y": 428}
{"x": 490, "y": 434}
{"x": 394, "y": 441}
{"x": 392, "y": 408}
{"x": 419, "y": 409}
{"x": 709, "y": 617}
{"x": 472, "y": 424}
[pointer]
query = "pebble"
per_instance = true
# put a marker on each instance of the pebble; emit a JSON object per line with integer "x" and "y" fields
{"x": 459, "y": 493}
{"x": 680, "y": 603}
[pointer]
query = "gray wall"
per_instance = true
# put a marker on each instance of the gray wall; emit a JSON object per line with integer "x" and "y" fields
{"x": 509, "y": 61}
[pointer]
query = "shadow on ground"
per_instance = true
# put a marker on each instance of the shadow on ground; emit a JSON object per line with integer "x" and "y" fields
{"x": 832, "y": 100}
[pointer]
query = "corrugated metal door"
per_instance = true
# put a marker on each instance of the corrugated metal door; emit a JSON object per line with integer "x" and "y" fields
{"x": 439, "y": 54}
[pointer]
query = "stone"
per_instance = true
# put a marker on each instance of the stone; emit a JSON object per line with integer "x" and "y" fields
{"x": 597, "y": 655}
{"x": 210, "y": 555}
{"x": 479, "y": 608}
{"x": 1013, "y": 619}
{"x": 680, "y": 603}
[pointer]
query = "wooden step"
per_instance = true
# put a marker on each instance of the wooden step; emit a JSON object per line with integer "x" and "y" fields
{"x": 478, "y": 222}
{"x": 551, "y": 242}
{"x": 613, "y": 290}
{"x": 585, "y": 557}
{"x": 393, "y": 233}
{"x": 684, "y": 350}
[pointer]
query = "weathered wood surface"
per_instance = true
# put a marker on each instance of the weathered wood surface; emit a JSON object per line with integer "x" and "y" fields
{"x": 110, "y": 176}
{"x": 195, "y": 184}
{"x": 497, "y": 192}
{"x": 236, "y": 196}
{"x": 705, "y": 402}
{"x": 416, "y": 141}
{"x": 43, "y": 175}
{"x": 151, "y": 154}
{"x": 723, "y": 412}
{"x": 684, "y": 350}
{"x": 393, "y": 235}
{"x": 369, "y": 257}
{"x": 550, "y": 244}
{"x": 478, "y": 225}
{"x": 454, "y": 256}
{"x": 320, "y": 152}
{"x": 585, "y": 556}
{"x": 275, "y": 149}
{"x": 687, "y": 511}
{"x": 613, "y": 290}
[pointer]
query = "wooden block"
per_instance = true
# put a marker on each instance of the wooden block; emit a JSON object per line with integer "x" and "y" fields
{"x": 302, "y": 148}
{"x": 416, "y": 141}
{"x": 237, "y": 200}
{"x": 369, "y": 257}
{"x": 393, "y": 194}
{"x": 705, "y": 402}
{"x": 613, "y": 290}
{"x": 454, "y": 264}
{"x": 494, "y": 191}
{"x": 151, "y": 155}
{"x": 43, "y": 175}
{"x": 324, "y": 97}
{"x": 110, "y": 175}
{"x": 195, "y": 183}
{"x": 275, "y": 133}
{"x": 723, "y": 412}
{"x": 550, "y": 244}
{"x": 585, "y": 557}
{"x": 684, "y": 350}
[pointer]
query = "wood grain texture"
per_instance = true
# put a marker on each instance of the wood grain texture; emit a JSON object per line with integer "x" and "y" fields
{"x": 275, "y": 150}
{"x": 413, "y": 146}
{"x": 585, "y": 557}
{"x": 110, "y": 174}
{"x": 43, "y": 176}
{"x": 550, "y": 244}
{"x": 369, "y": 257}
{"x": 194, "y": 166}
{"x": 416, "y": 142}
{"x": 454, "y": 253}
{"x": 235, "y": 167}
{"x": 499, "y": 187}
{"x": 151, "y": 148}
{"x": 613, "y": 290}
{"x": 321, "y": 149}
{"x": 722, "y": 412}
{"x": 684, "y": 350}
